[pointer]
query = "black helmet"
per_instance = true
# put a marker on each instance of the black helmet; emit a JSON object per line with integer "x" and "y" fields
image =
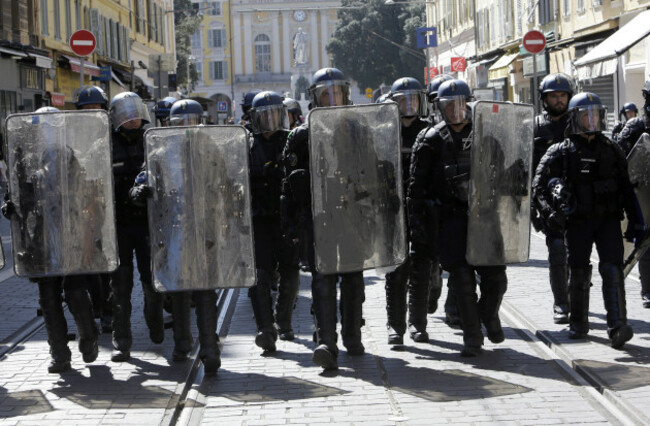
{"x": 556, "y": 83}
{"x": 247, "y": 102}
{"x": 268, "y": 113}
{"x": 330, "y": 82}
{"x": 89, "y": 95}
{"x": 432, "y": 87}
{"x": 409, "y": 95}
{"x": 163, "y": 107}
{"x": 587, "y": 114}
{"x": 629, "y": 106}
{"x": 127, "y": 106}
{"x": 452, "y": 101}
{"x": 186, "y": 112}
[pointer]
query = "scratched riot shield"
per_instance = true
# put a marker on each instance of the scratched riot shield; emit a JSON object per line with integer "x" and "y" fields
{"x": 498, "y": 229}
{"x": 357, "y": 194}
{"x": 637, "y": 162}
{"x": 61, "y": 183}
{"x": 199, "y": 215}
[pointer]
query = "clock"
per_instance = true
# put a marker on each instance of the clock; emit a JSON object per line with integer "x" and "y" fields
{"x": 299, "y": 15}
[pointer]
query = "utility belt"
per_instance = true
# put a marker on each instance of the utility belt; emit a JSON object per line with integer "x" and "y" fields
{"x": 597, "y": 198}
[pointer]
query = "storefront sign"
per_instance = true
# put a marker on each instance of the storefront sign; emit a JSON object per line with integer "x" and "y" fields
{"x": 58, "y": 99}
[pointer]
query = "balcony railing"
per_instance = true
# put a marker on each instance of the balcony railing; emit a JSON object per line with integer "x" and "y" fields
{"x": 262, "y": 77}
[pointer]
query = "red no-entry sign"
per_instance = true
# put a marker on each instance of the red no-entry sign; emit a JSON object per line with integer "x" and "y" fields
{"x": 534, "y": 42}
{"x": 83, "y": 43}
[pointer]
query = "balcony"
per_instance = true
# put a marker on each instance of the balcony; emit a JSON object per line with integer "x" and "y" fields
{"x": 263, "y": 77}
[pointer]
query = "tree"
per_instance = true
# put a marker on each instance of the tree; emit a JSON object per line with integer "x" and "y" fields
{"x": 187, "y": 21}
{"x": 376, "y": 43}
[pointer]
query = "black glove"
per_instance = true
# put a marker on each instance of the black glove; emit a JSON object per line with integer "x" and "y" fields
{"x": 9, "y": 209}
{"x": 556, "y": 221}
{"x": 633, "y": 233}
{"x": 139, "y": 194}
{"x": 298, "y": 182}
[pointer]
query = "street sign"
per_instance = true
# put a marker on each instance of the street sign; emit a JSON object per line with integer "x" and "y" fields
{"x": 426, "y": 37}
{"x": 104, "y": 74}
{"x": 368, "y": 92}
{"x": 458, "y": 64}
{"x": 222, "y": 106}
{"x": 83, "y": 43}
{"x": 534, "y": 42}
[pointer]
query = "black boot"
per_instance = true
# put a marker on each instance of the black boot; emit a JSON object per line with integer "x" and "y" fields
{"x": 614, "y": 296}
{"x": 106, "y": 313}
{"x": 206, "y": 320}
{"x": 493, "y": 287}
{"x": 260, "y": 295}
{"x": 579, "y": 286}
{"x": 396, "y": 304}
{"x": 121, "y": 287}
{"x": 323, "y": 290}
{"x": 418, "y": 289}
{"x": 80, "y": 305}
{"x": 463, "y": 281}
{"x": 644, "y": 275}
{"x": 452, "y": 318}
{"x": 286, "y": 302}
{"x": 153, "y": 312}
{"x": 49, "y": 290}
{"x": 352, "y": 297}
{"x": 435, "y": 287}
{"x": 181, "y": 325}
{"x": 558, "y": 276}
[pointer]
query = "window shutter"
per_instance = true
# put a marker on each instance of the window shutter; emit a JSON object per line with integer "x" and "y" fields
{"x": 96, "y": 28}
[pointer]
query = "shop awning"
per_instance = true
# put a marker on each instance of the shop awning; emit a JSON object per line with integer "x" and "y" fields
{"x": 41, "y": 61}
{"x": 13, "y": 52}
{"x": 500, "y": 68}
{"x": 117, "y": 79}
{"x": 89, "y": 68}
{"x": 603, "y": 59}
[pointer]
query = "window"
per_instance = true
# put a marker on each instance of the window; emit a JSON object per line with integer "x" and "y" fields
{"x": 262, "y": 53}
{"x": 44, "y": 14}
{"x": 566, "y": 8}
{"x": 195, "y": 40}
{"x": 57, "y": 20}
{"x": 217, "y": 38}
{"x": 581, "y": 6}
{"x": 545, "y": 11}
{"x": 68, "y": 19}
{"x": 598, "y": 2}
{"x": 199, "y": 71}
{"x": 218, "y": 70}
{"x": 139, "y": 16}
{"x": 214, "y": 8}
{"x": 77, "y": 13}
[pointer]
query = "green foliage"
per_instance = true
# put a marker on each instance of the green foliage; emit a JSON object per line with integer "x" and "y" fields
{"x": 187, "y": 21}
{"x": 377, "y": 44}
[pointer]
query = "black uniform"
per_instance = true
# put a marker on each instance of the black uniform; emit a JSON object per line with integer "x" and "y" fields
{"x": 547, "y": 133}
{"x": 596, "y": 172}
{"x": 132, "y": 235}
{"x": 439, "y": 182}
{"x": 296, "y": 215}
{"x": 272, "y": 251}
{"x": 634, "y": 128}
{"x": 415, "y": 270}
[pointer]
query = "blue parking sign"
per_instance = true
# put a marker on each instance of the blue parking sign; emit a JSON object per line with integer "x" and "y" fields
{"x": 222, "y": 106}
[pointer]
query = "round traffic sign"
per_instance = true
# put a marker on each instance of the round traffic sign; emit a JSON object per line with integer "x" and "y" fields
{"x": 534, "y": 42}
{"x": 83, "y": 42}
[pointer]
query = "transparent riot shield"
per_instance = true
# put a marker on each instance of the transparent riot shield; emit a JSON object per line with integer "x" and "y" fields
{"x": 357, "y": 194}
{"x": 199, "y": 216}
{"x": 637, "y": 163}
{"x": 61, "y": 182}
{"x": 500, "y": 178}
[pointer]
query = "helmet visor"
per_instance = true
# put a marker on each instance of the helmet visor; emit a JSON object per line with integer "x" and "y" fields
{"x": 410, "y": 103}
{"x": 269, "y": 118}
{"x": 453, "y": 109}
{"x": 589, "y": 119}
{"x": 331, "y": 93}
{"x": 129, "y": 109}
{"x": 185, "y": 119}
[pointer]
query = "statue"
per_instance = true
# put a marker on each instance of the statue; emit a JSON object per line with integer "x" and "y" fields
{"x": 300, "y": 47}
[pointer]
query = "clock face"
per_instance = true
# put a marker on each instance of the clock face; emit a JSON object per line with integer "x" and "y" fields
{"x": 299, "y": 15}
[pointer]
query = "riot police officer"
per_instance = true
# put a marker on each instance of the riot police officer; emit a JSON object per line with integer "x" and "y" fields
{"x": 246, "y": 104}
{"x": 634, "y": 128}
{"x": 439, "y": 182}
{"x": 435, "y": 286}
{"x": 329, "y": 88}
{"x": 294, "y": 111}
{"x": 162, "y": 110}
{"x": 269, "y": 123}
{"x": 595, "y": 170}
{"x": 555, "y": 91}
{"x": 129, "y": 115}
{"x": 188, "y": 112}
{"x": 628, "y": 112}
{"x": 408, "y": 93}
{"x": 50, "y": 289}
